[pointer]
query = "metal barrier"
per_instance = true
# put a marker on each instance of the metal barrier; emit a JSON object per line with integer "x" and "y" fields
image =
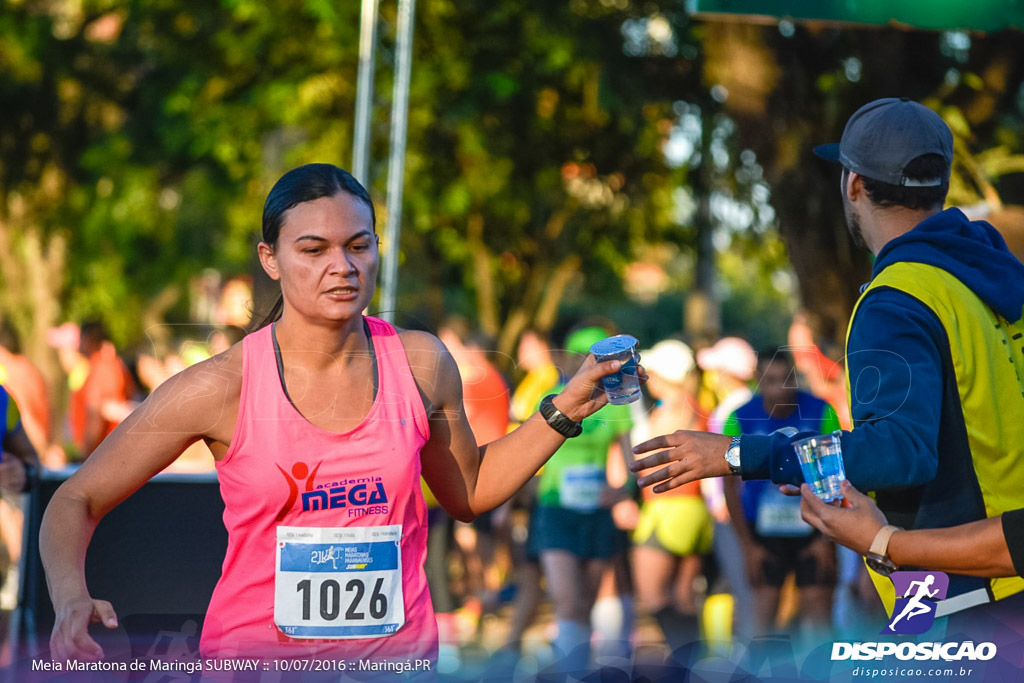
{"x": 156, "y": 558}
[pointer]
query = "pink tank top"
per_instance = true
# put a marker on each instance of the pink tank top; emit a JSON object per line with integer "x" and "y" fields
{"x": 326, "y": 532}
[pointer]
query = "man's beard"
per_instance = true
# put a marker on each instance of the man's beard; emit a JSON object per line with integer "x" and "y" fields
{"x": 853, "y": 225}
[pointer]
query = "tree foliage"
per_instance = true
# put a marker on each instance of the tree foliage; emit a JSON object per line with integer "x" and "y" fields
{"x": 536, "y": 152}
{"x": 793, "y": 87}
{"x": 138, "y": 140}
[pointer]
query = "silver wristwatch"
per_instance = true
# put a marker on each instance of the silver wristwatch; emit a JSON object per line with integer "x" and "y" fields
{"x": 732, "y": 455}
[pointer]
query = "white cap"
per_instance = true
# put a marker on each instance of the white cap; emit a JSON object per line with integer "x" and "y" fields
{"x": 671, "y": 360}
{"x": 731, "y": 355}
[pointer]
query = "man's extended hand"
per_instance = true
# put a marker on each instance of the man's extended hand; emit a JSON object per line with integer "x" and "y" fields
{"x": 689, "y": 456}
{"x": 854, "y": 525}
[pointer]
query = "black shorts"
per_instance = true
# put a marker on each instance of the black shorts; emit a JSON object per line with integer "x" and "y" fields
{"x": 588, "y": 535}
{"x": 789, "y": 554}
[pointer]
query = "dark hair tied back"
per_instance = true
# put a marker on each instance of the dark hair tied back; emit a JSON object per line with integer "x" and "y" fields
{"x": 299, "y": 185}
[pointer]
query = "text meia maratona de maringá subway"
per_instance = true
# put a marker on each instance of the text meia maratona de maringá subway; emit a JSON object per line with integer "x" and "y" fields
{"x": 186, "y": 666}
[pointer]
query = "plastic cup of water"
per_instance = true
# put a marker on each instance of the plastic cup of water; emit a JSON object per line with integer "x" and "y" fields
{"x": 623, "y": 386}
{"x": 821, "y": 460}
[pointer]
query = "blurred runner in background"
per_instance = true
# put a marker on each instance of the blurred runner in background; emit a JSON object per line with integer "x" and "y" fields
{"x": 574, "y": 535}
{"x": 533, "y": 355}
{"x": 675, "y": 529}
{"x": 729, "y": 367}
{"x": 18, "y": 466}
{"x": 486, "y": 399}
{"x": 100, "y": 386}
{"x": 776, "y": 541}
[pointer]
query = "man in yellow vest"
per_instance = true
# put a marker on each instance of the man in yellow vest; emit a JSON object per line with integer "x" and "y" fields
{"x": 935, "y": 355}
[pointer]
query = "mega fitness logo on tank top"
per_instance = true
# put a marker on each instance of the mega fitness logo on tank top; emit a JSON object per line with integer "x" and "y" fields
{"x": 360, "y": 496}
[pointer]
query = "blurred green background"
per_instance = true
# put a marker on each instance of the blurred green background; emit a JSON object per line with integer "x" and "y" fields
{"x": 620, "y": 157}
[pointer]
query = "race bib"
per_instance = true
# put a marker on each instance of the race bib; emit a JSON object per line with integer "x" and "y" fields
{"x": 779, "y": 515}
{"x": 580, "y": 487}
{"x": 339, "y": 583}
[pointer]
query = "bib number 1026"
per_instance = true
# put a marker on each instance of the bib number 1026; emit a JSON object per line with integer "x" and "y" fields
{"x": 339, "y": 583}
{"x": 328, "y": 599}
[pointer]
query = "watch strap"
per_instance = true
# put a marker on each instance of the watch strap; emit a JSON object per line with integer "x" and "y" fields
{"x": 880, "y": 545}
{"x": 558, "y": 420}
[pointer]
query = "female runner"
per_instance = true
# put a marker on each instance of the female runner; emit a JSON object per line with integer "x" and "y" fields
{"x": 321, "y": 423}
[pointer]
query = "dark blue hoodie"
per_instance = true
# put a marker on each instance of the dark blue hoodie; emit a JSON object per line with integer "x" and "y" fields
{"x": 910, "y": 442}
{"x": 973, "y": 252}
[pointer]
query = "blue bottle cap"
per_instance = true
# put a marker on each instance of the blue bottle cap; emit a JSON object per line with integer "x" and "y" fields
{"x": 613, "y": 346}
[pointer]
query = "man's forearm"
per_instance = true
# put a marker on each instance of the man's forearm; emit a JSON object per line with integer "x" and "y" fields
{"x": 897, "y": 377}
{"x": 772, "y": 457}
{"x": 769, "y": 456}
{"x": 978, "y": 548}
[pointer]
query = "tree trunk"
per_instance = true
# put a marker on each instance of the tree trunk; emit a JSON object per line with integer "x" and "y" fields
{"x": 702, "y": 319}
{"x": 547, "y": 312}
{"x": 828, "y": 266}
{"x": 523, "y": 312}
{"x": 483, "y": 275}
{"x": 545, "y": 288}
{"x": 539, "y": 306}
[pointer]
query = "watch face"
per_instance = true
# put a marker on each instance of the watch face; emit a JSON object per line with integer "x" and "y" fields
{"x": 879, "y": 564}
{"x": 732, "y": 456}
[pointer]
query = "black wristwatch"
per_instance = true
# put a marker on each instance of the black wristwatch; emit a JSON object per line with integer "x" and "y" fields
{"x": 557, "y": 420}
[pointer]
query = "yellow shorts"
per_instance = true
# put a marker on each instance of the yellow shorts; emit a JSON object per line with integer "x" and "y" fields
{"x": 679, "y": 525}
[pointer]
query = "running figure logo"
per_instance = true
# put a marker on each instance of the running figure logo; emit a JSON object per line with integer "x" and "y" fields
{"x": 300, "y": 472}
{"x": 917, "y": 595}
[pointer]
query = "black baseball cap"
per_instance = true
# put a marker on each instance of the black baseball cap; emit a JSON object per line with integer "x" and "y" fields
{"x": 883, "y": 136}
